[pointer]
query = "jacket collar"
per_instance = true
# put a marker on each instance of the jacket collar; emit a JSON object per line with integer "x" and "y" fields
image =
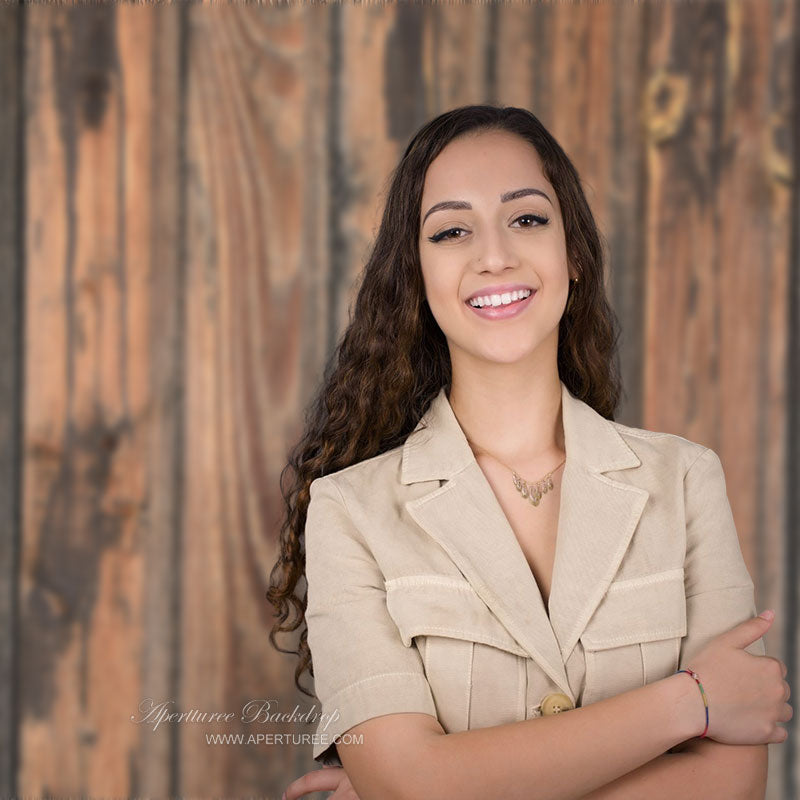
{"x": 597, "y": 517}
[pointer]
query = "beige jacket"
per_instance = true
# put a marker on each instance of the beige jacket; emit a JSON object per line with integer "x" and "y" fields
{"x": 421, "y": 599}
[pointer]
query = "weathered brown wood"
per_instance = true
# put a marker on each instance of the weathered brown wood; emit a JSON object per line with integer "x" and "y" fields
{"x": 256, "y": 283}
{"x": 11, "y": 358}
{"x": 377, "y": 52}
{"x": 152, "y": 46}
{"x": 100, "y": 238}
{"x": 459, "y": 56}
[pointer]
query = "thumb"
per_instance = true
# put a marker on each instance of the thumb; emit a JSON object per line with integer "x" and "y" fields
{"x": 747, "y": 632}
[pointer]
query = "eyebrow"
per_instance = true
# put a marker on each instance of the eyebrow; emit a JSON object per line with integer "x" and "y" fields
{"x": 504, "y": 198}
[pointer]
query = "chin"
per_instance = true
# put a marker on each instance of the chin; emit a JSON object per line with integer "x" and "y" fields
{"x": 505, "y": 355}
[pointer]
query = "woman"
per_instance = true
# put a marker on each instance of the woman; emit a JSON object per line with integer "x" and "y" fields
{"x": 484, "y": 547}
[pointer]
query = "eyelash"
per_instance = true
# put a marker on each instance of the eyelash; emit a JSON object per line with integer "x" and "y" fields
{"x": 540, "y": 218}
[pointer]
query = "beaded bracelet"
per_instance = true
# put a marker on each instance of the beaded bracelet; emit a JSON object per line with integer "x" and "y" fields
{"x": 694, "y": 675}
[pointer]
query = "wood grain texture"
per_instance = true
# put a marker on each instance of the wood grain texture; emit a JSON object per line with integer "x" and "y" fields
{"x": 95, "y": 580}
{"x": 153, "y": 50}
{"x": 255, "y": 285}
{"x": 716, "y": 311}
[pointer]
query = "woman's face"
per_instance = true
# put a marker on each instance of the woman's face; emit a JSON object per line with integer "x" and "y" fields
{"x": 494, "y": 236}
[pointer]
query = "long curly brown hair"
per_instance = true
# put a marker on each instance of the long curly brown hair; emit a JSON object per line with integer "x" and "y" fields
{"x": 393, "y": 358}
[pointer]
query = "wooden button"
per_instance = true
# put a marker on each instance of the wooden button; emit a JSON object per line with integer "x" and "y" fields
{"x": 556, "y": 703}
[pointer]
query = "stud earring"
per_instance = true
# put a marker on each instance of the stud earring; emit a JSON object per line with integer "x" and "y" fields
{"x": 574, "y": 282}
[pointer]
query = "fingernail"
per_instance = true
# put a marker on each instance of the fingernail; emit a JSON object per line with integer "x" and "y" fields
{"x": 767, "y": 615}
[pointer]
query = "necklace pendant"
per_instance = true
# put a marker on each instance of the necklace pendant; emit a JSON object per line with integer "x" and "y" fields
{"x": 533, "y": 492}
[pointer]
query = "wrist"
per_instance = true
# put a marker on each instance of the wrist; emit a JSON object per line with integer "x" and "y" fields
{"x": 686, "y": 701}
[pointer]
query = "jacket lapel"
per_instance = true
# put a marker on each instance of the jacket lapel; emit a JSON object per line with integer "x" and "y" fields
{"x": 597, "y": 518}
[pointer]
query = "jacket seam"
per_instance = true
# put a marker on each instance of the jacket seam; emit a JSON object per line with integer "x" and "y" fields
{"x": 699, "y": 456}
{"x": 656, "y": 635}
{"x": 341, "y": 497}
{"x": 373, "y": 678}
{"x": 467, "y": 635}
{"x": 721, "y": 589}
{"x": 362, "y": 538}
{"x": 647, "y": 580}
{"x": 443, "y": 581}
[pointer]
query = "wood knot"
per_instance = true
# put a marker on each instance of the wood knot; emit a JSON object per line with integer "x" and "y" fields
{"x": 665, "y": 104}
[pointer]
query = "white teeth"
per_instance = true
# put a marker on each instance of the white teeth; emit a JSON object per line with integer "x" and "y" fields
{"x": 499, "y": 299}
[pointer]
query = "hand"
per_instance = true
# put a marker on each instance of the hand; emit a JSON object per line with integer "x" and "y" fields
{"x": 747, "y": 695}
{"x": 327, "y": 779}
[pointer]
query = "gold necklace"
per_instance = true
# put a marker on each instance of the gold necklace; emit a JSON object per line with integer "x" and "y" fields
{"x": 531, "y": 491}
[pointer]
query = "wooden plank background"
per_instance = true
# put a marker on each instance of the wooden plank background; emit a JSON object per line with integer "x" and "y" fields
{"x": 187, "y": 196}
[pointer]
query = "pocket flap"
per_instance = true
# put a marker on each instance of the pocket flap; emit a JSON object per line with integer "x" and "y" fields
{"x": 438, "y": 605}
{"x": 641, "y": 609}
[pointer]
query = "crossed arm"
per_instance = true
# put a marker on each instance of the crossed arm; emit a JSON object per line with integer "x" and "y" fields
{"x": 699, "y": 768}
{"x": 614, "y": 749}
{"x": 702, "y": 769}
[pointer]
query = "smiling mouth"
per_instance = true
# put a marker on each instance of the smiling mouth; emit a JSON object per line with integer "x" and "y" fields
{"x": 499, "y": 300}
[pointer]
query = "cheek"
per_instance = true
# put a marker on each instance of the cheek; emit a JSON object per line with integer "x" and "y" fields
{"x": 440, "y": 290}
{"x": 440, "y": 310}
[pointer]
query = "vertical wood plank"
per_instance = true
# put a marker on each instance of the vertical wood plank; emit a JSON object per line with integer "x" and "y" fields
{"x": 11, "y": 372}
{"x": 153, "y": 52}
{"x": 256, "y": 283}
{"x": 622, "y": 221}
{"x": 459, "y": 41}
{"x": 369, "y": 46}
{"x": 91, "y": 327}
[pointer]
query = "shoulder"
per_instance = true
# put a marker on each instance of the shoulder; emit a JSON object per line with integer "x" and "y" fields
{"x": 375, "y": 474}
{"x": 662, "y": 449}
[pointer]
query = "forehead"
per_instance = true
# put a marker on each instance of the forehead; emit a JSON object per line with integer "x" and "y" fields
{"x": 487, "y": 162}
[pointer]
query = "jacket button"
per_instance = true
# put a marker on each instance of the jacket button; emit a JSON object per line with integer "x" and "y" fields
{"x": 555, "y": 704}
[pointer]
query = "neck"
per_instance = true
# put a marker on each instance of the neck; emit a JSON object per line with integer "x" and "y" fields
{"x": 516, "y": 421}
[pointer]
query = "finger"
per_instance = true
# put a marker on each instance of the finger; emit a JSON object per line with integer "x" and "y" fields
{"x": 777, "y": 736}
{"x": 781, "y": 735}
{"x": 745, "y": 633}
{"x": 318, "y": 780}
{"x": 780, "y": 664}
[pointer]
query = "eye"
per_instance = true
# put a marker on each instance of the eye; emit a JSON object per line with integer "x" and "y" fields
{"x": 539, "y": 218}
{"x": 444, "y": 235}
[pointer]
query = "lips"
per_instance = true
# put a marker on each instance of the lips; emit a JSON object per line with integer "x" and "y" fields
{"x": 496, "y": 300}
{"x": 500, "y": 289}
{"x": 508, "y": 311}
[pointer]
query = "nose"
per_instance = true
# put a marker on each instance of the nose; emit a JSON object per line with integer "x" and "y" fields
{"x": 494, "y": 251}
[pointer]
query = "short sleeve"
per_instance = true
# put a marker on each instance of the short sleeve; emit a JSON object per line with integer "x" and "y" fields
{"x": 719, "y": 589}
{"x": 362, "y": 669}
